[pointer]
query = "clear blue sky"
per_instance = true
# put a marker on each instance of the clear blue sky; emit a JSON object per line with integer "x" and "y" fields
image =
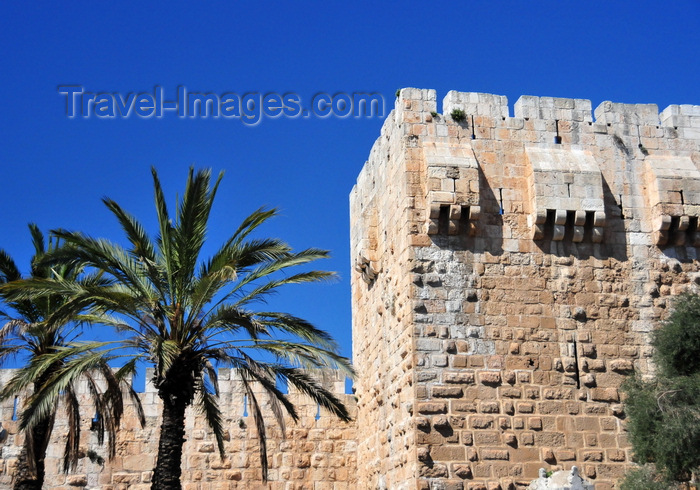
{"x": 55, "y": 169}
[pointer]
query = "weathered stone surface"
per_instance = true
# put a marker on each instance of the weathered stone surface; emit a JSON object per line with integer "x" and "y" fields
{"x": 321, "y": 451}
{"x": 537, "y": 309}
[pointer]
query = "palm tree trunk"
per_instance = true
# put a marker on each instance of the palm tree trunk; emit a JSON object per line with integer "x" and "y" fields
{"x": 30, "y": 474}
{"x": 166, "y": 475}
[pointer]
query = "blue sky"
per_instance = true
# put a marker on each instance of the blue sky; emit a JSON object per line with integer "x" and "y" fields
{"x": 55, "y": 169}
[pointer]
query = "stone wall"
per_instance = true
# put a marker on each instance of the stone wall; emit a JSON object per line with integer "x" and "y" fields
{"x": 318, "y": 452}
{"x": 509, "y": 271}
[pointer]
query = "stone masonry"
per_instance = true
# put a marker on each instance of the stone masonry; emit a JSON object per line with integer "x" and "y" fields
{"x": 509, "y": 271}
{"x": 317, "y": 453}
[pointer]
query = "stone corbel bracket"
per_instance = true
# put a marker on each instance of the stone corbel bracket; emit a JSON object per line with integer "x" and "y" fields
{"x": 365, "y": 265}
{"x": 452, "y": 188}
{"x": 566, "y": 188}
{"x": 673, "y": 195}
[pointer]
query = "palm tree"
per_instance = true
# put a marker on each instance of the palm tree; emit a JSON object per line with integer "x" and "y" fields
{"x": 187, "y": 315}
{"x": 38, "y": 331}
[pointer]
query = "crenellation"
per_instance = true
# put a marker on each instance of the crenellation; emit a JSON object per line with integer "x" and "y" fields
{"x": 683, "y": 116}
{"x": 318, "y": 448}
{"x": 477, "y": 104}
{"x": 627, "y": 114}
{"x": 552, "y": 108}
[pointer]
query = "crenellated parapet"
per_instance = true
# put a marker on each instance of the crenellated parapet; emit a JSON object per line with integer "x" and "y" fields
{"x": 564, "y": 147}
{"x": 317, "y": 448}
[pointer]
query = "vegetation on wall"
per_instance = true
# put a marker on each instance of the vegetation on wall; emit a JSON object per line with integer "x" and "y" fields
{"x": 663, "y": 414}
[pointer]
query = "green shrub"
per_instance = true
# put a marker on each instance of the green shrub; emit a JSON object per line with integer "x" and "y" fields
{"x": 663, "y": 415}
{"x": 643, "y": 478}
{"x": 458, "y": 115}
{"x": 663, "y": 423}
{"x": 677, "y": 343}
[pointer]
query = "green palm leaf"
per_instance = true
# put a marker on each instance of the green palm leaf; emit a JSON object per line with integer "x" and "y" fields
{"x": 185, "y": 314}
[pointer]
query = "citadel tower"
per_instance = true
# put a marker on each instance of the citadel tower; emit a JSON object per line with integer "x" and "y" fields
{"x": 509, "y": 271}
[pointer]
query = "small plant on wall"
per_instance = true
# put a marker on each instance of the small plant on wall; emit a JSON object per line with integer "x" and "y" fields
{"x": 458, "y": 115}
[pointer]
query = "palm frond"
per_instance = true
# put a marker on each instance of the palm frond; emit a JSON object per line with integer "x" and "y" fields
{"x": 124, "y": 375}
{"x": 289, "y": 260}
{"x": 37, "y": 239}
{"x": 250, "y": 223}
{"x": 308, "y": 385}
{"x": 209, "y": 407}
{"x": 298, "y": 327}
{"x": 266, "y": 375}
{"x": 228, "y": 317}
{"x": 165, "y": 238}
{"x": 259, "y": 426}
{"x": 105, "y": 256}
{"x": 193, "y": 215}
{"x": 74, "y": 361}
{"x": 8, "y": 269}
{"x": 301, "y": 355}
{"x": 72, "y": 447}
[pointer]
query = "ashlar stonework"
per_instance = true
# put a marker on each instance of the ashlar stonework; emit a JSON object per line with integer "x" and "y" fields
{"x": 519, "y": 264}
{"x": 316, "y": 453}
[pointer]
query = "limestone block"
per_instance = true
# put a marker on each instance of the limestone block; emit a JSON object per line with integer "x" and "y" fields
{"x": 558, "y": 233}
{"x": 633, "y": 114}
{"x": 457, "y": 170}
{"x": 680, "y": 115}
{"x": 473, "y": 103}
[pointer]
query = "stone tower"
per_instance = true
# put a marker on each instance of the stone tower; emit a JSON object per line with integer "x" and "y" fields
{"x": 508, "y": 273}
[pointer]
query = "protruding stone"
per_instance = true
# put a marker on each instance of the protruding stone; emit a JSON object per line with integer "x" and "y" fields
{"x": 599, "y": 219}
{"x": 558, "y": 233}
{"x": 537, "y": 232}
{"x": 474, "y": 213}
{"x": 540, "y": 216}
{"x": 597, "y": 235}
{"x": 490, "y": 377}
{"x": 548, "y": 456}
{"x": 560, "y": 217}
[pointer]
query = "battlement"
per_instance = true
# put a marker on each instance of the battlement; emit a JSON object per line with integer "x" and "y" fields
{"x": 564, "y": 145}
{"x": 550, "y": 108}
{"x": 317, "y": 448}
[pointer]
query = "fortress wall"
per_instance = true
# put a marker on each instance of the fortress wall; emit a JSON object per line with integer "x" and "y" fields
{"x": 381, "y": 206}
{"x": 316, "y": 453}
{"x": 542, "y": 251}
